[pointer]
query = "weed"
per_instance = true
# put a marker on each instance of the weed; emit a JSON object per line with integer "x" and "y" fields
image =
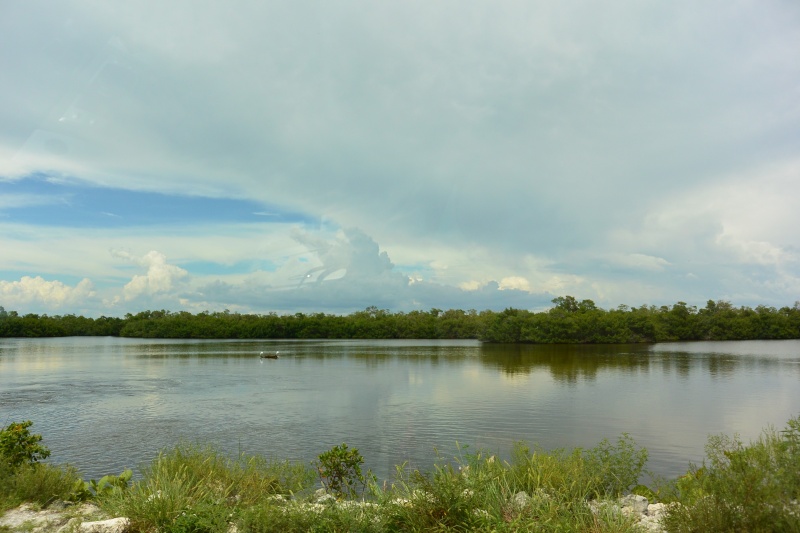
{"x": 340, "y": 471}
{"x": 196, "y": 489}
{"x": 193, "y": 489}
{"x": 107, "y": 485}
{"x": 742, "y": 487}
{"x": 617, "y": 468}
{"x": 304, "y": 517}
{"x": 204, "y": 517}
{"x": 539, "y": 491}
{"x": 39, "y": 483}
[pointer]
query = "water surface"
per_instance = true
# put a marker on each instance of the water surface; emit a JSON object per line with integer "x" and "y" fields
{"x": 103, "y": 404}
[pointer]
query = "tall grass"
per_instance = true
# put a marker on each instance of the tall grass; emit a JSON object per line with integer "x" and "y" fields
{"x": 301, "y": 517}
{"x": 39, "y": 483}
{"x": 23, "y": 478}
{"x": 740, "y": 487}
{"x": 193, "y": 488}
{"x": 481, "y": 493}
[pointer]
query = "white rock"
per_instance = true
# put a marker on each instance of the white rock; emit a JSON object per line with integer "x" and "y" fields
{"x": 656, "y": 509}
{"x": 637, "y": 504}
{"x": 327, "y": 499}
{"x": 112, "y": 525}
{"x": 71, "y": 526}
{"x": 651, "y": 523}
{"x": 30, "y": 518}
{"x": 59, "y": 517}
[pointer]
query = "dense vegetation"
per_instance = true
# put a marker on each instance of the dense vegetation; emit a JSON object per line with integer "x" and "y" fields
{"x": 193, "y": 489}
{"x": 569, "y": 321}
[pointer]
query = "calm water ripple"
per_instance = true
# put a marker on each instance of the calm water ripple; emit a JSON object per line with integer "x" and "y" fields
{"x": 104, "y": 404}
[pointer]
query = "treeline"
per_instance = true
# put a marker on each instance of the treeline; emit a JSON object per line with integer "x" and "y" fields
{"x": 574, "y": 322}
{"x": 569, "y": 321}
{"x": 33, "y": 325}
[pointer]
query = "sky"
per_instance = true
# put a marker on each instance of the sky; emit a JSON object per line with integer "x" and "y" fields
{"x": 313, "y": 156}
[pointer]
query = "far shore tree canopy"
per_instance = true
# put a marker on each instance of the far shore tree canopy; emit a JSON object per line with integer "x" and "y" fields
{"x": 569, "y": 321}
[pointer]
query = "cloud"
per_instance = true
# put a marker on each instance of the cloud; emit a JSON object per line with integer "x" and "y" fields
{"x": 639, "y": 261}
{"x": 515, "y": 282}
{"x": 36, "y": 291}
{"x": 605, "y": 151}
{"x": 368, "y": 278}
{"x": 160, "y": 278}
{"x": 352, "y": 253}
{"x": 347, "y": 272}
{"x": 731, "y": 235}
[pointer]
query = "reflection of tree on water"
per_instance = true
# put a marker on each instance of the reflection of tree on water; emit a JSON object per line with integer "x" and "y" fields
{"x": 573, "y": 363}
{"x": 566, "y": 363}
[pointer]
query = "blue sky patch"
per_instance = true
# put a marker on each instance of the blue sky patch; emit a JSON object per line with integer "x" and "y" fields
{"x": 43, "y": 202}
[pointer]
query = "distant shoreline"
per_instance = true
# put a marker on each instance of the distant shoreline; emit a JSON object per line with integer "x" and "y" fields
{"x": 569, "y": 322}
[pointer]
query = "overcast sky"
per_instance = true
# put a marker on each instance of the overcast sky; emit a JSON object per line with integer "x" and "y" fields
{"x": 328, "y": 156}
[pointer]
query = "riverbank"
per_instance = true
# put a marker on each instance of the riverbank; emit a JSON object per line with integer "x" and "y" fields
{"x": 741, "y": 487}
{"x": 629, "y": 512}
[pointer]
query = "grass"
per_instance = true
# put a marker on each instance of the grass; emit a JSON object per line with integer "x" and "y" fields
{"x": 193, "y": 489}
{"x": 38, "y": 483}
{"x": 481, "y": 493}
{"x": 740, "y": 487}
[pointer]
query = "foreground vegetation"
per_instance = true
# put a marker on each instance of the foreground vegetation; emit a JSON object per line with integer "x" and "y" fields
{"x": 569, "y": 321}
{"x": 739, "y": 487}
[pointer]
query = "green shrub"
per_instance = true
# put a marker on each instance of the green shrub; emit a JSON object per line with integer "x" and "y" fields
{"x": 108, "y": 484}
{"x": 23, "y": 478}
{"x": 340, "y": 471}
{"x": 18, "y": 446}
{"x": 617, "y": 468}
{"x": 741, "y": 487}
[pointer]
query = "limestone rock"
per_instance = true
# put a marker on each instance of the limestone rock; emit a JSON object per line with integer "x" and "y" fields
{"x": 321, "y": 496}
{"x": 112, "y": 525}
{"x": 637, "y": 504}
{"x": 58, "y": 517}
{"x": 30, "y": 518}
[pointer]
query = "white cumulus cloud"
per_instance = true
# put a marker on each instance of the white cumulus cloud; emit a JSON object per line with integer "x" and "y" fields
{"x": 515, "y": 282}
{"x": 39, "y": 291}
{"x": 161, "y": 277}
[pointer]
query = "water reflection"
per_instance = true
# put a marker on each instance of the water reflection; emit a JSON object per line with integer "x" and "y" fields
{"x": 106, "y": 403}
{"x": 568, "y": 364}
{"x": 571, "y": 364}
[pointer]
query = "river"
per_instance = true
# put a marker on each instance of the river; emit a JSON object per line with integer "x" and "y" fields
{"x": 103, "y": 404}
